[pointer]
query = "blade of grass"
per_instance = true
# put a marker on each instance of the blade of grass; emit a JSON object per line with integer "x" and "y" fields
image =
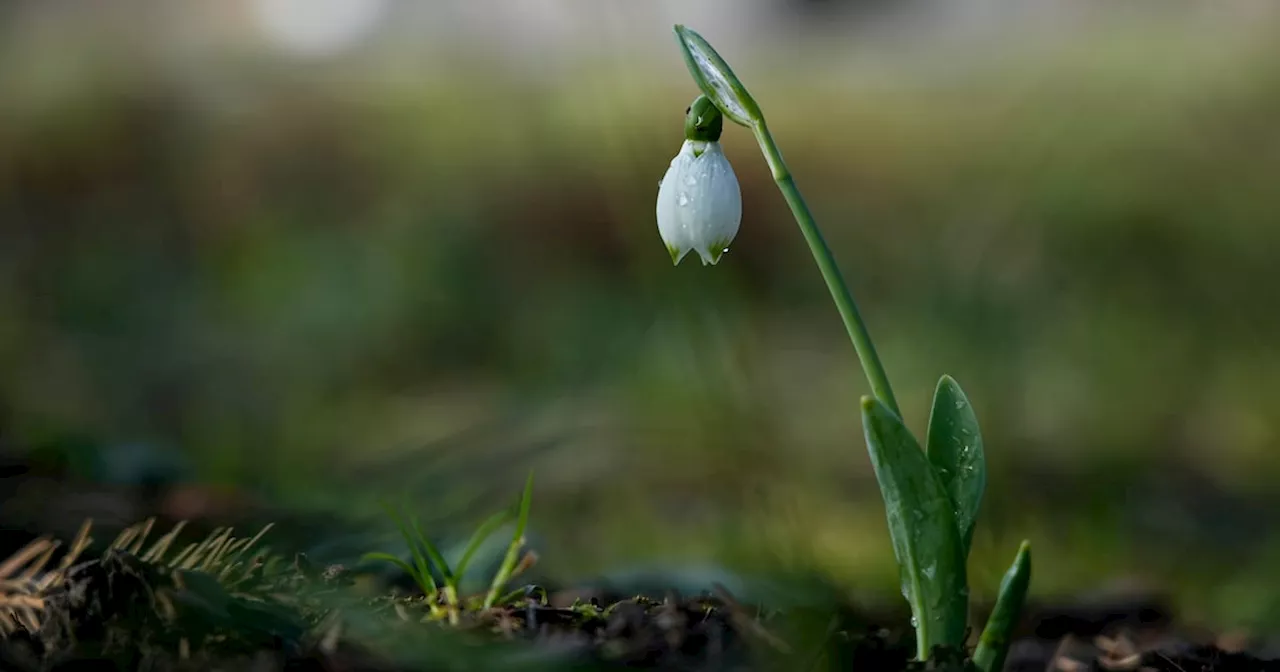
{"x": 423, "y": 575}
{"x": 141, "y": 537}
{"x": 433, "y": 553}
{"x": 450, "y": 589}
{"x": 482, "y": 534}
{"x": 510, "y": 597}
{"x": 387, "y": 557}
{"x": 517, "y": 542}
{"x": 35, "y": 567}
{"x": 993, "y": 646}
{"x": 161, "y": 546}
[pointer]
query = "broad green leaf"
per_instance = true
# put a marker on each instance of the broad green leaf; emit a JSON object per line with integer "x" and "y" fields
{"x": 955, "y": 449}
{"x": 994, "y": 643}
{"x": 922, "y": 525}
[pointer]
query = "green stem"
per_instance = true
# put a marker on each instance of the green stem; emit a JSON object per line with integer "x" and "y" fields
{"x": 830, "y": 271}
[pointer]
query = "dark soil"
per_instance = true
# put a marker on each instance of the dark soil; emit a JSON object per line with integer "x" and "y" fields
{"x": 130, "y": 609}
{"x": 119, "y": 611}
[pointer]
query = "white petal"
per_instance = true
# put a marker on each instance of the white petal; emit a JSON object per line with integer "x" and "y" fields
{"x": 722, "y": 199}
{"x": 673, "y": 200}
{"x": 699, "y": 202}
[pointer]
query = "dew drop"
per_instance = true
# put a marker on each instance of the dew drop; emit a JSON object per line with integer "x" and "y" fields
{"x": 690, "y": 180}
{"x": 959, "y": 404}
{"x": 929, "y": 571}
{"x": 684, "y": 199}
{"x": 914, "y": 622}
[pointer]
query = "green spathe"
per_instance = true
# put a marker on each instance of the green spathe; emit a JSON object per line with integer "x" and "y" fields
{"x": 716, "y": 79}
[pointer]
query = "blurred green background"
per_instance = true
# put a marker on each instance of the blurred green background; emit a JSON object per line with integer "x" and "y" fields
{"x": 312, "y": 253}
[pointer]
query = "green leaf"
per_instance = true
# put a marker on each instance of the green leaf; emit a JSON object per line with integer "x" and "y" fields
{"x": 437, "y": 559}
{"x": 513, "y": 550}
{"x": 526, "y": 502}
{"x": 993, "y": 646}
{"x": 922, "y": 525}
{"x": 387, "y": 557}
{"x": 955, "y": 449}
{"x": 714, "y": 77}
{"x": 423, "y": 571}
{"x": 486, "y": 530}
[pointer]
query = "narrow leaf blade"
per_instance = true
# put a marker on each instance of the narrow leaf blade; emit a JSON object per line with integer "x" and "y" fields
{"x": 433, "y": 553}
{"x": 993, "y": 646}
{"x": 482, "y": 533}
{"x": 955, "y": 449}
{"x": 926, "y": 541}
{"x": 526, "y": 502}
{"x": 423, "y": 576}
{"x": 513, "y": 550}
{"x": 387, "y": 557}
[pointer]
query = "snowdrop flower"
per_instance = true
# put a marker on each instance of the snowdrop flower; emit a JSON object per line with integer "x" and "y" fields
{"x": 699, "y": 202}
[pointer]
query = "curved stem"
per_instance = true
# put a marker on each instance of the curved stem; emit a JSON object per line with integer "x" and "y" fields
{"x": 830, "y": 271}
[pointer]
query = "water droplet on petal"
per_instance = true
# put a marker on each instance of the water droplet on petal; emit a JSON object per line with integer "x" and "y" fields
{"x": 684, "y": 199}
{"x": 690, "y": 180}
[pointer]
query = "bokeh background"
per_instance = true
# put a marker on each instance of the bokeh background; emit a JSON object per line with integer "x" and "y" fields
{"x": 283, "y": 258}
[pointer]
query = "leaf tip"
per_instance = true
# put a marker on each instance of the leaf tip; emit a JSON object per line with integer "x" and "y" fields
{"x": 1024, "y": 552}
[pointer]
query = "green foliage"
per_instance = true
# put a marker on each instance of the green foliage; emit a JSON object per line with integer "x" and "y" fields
{"x": 993, "y": 646}
{"x": 426, "y": 557}
{"x": 508, "y": 567}
{"x": 954, "y": 446}
{"x": 922, "y": 526}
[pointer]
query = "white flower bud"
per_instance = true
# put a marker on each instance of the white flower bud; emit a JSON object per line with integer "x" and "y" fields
{"x": 699, "y": 203}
